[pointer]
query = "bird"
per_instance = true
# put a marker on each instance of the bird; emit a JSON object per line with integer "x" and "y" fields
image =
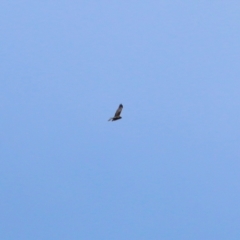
{"x": 117, "y": 114}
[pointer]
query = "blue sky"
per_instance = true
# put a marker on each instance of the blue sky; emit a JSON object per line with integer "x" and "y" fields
{"x": 169, "y": 169}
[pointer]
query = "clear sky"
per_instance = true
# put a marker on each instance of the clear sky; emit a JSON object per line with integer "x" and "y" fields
{"x": 169, "y": 169}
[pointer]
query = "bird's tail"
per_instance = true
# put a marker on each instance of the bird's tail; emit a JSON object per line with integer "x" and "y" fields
{"x": 110, "y": 119}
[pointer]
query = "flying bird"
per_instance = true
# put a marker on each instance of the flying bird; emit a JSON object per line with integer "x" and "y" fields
{"x": 117, "y": 114}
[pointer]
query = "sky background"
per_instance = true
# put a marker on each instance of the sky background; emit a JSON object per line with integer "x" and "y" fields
{"x": 169, "y": 169}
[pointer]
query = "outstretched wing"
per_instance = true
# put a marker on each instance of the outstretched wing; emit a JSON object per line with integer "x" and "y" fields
{"x": 119, "y": 110}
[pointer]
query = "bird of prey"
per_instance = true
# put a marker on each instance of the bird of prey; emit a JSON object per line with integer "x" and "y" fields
{"x": 117, "y": 114}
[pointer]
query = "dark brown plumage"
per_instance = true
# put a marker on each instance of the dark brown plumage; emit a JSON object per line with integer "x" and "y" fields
{"x": 117, "y": 114}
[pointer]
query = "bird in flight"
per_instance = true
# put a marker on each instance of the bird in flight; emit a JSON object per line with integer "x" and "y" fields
{"x": 117, "y": 114}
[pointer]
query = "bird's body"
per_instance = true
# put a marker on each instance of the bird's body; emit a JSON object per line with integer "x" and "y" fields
{"x": 117, "y": 114}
